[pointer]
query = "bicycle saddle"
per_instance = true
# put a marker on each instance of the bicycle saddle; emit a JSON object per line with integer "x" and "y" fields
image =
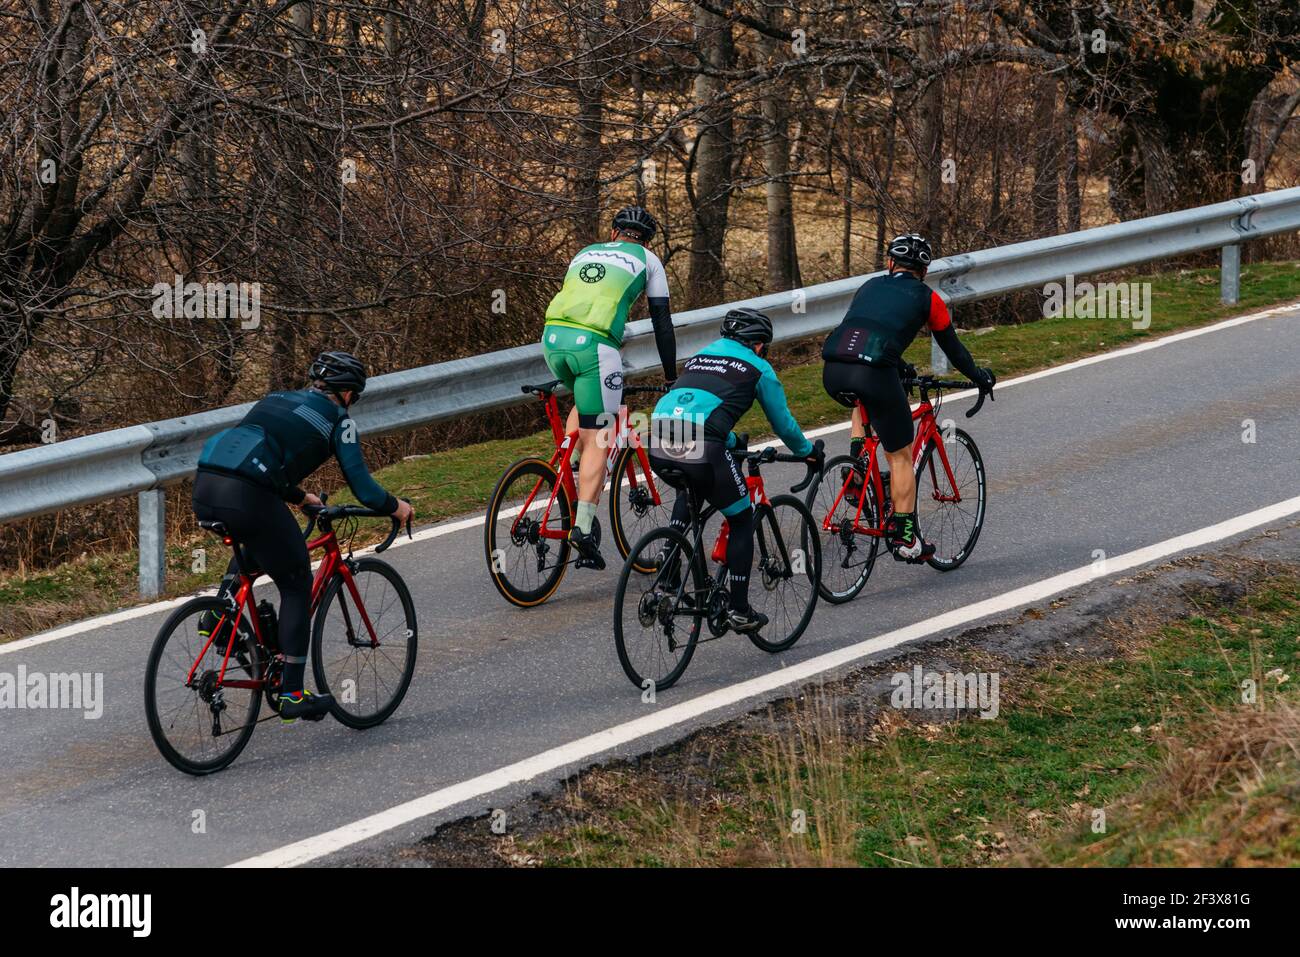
{"x": 546, "y": 388}
{"x": 673, "y": 476}
{"x": 217, "y": 528}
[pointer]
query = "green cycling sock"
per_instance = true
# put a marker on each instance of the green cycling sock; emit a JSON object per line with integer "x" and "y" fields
{"x": 586, "y": 512}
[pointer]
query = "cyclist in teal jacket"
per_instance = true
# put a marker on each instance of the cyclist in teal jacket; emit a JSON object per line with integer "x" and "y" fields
{"x": 691, "y": 432}
{"x": 248, "y": 473}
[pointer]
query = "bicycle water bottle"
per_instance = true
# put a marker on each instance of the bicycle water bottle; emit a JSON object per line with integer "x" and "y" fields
{"x": 270, "y": 624}
{"x": 720, "y": 546}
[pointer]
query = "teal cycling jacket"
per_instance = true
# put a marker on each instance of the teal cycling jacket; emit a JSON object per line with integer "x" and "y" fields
{"x": 718, "y": 385}
{"x": 286, "y": 437}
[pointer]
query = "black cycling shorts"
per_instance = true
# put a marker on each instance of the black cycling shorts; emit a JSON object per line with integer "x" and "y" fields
{"x": 881, "y": 390}
{"x": 708, "y": 469}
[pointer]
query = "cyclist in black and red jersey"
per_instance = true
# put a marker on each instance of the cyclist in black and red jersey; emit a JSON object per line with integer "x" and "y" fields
{"x": 864, "y": 359}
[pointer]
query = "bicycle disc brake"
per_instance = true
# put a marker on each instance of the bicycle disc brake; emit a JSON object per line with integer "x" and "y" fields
{"x": 640, "y": 500}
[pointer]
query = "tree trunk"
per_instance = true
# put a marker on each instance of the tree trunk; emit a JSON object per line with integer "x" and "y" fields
{"x": 931, "y": 144}
{"x": 1073, "y": 191}
{"x": 782, "y": 257}
{"x": 882, "y": 182}
{"x": 1045, "y": 199}
{"x": 591, "y": 108}
{"x": 714, "y": 149}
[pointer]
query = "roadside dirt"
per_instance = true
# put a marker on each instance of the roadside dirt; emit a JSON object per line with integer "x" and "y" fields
{"x": 1097, "y": 622}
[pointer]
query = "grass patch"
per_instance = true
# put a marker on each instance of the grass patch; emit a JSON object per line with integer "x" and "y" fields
{"x": 1158, "y": 739}
{"x": 459, "y": 481}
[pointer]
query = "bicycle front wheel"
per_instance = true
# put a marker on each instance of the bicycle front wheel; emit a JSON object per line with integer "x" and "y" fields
{"x": 847, "y": 556}
{"x": 526, "y": 566}
{"x": 657, "y": 615}
{"x": 200, "y": 725}
{"x": 367, "y": 681}
{"x": 787, "y": 573}
{"x": 950, "y": 507}
{"x": 632, "y": 509}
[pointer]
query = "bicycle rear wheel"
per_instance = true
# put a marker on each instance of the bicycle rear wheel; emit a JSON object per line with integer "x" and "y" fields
{"x": 632, "y": 511}
{"x": 787, "y": 572}
{"x": 201, "y": 727}
{"x": 655, "y": 626}
{"x": 366, "y": 682}
{"x": 847, "y": 557}
{"x": 950, "y": 513}
{"x": 525, "y": 567}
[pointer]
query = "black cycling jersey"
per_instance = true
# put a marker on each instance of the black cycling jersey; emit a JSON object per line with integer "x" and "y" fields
{"x": 286, "y": 437}
{"x": 885, "y": 316}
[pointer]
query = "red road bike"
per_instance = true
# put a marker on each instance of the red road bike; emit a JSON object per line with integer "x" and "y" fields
{"x": 852, "y": 501}
{"x": 204, "y": 691}
{"x": 526, "y": 535}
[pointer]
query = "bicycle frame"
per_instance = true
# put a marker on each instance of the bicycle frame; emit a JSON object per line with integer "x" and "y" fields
{"x": 757, "y": 497}
{"x": 331, "y": 563}
{"x": 927, "y": 429}
{"x": 562, "y": 458}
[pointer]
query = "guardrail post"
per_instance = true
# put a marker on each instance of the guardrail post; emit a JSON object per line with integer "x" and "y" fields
{"x": 153, "y": 542}
{"x": 1230, "y": 275}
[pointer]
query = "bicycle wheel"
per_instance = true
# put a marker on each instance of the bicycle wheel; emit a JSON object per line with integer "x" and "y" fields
{"x": 632, "y": 511}
{"x": 200, "y": 727}
{"x": 787, "y": 571}
{"x": 366, "y": 682}
{"x": 525, "y": 567}
{"x": 847, "y": 557}
{"x": 952, "y": 526}
{"x": 655, "y": 629}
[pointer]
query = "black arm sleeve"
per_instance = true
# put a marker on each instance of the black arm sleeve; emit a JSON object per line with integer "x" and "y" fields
{"x": 955, "y": 351}
{"x": 665, "y": 341}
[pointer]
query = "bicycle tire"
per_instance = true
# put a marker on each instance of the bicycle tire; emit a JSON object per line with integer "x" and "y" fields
{"x": 774, "y": 544}
{"x": 621, "y": 500}
{"x": 950, "y": 559}
{"x": 643, "y": 588}
{"x": 407, "y": 628}
{"x": 256, "y": 665}
{"x": 524, "y": 597}
{"x": 837, "y": 553}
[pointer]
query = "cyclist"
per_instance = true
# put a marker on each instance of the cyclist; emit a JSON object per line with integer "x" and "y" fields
{"x": 581, "y": 343}
{"x": 246, "y": 474}
{"x": 864, "y": 359}
{"x": 691, "y": 428}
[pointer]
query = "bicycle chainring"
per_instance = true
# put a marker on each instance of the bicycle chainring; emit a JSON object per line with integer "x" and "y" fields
{"x": 719, "y": 604}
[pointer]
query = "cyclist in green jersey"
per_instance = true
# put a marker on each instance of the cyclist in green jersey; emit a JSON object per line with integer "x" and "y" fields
{"x": 582, "y": 342}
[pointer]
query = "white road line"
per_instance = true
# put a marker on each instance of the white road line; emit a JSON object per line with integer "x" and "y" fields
{"x": 582, "y": 750}
{"x": 448, "y": 528}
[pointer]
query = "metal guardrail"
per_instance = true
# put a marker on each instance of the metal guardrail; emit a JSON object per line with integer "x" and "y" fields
{"x": 143, "y": 459}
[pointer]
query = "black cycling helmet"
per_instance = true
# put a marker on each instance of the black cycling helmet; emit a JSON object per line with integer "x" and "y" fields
{"x": 747, "y": 326}
{"x": 911, "y": 251}
{"x": 634, "y": 219}
{"x": 340, "y": 372}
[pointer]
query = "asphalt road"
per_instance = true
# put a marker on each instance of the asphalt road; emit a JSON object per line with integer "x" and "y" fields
{"x": 1114, "y": 455}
